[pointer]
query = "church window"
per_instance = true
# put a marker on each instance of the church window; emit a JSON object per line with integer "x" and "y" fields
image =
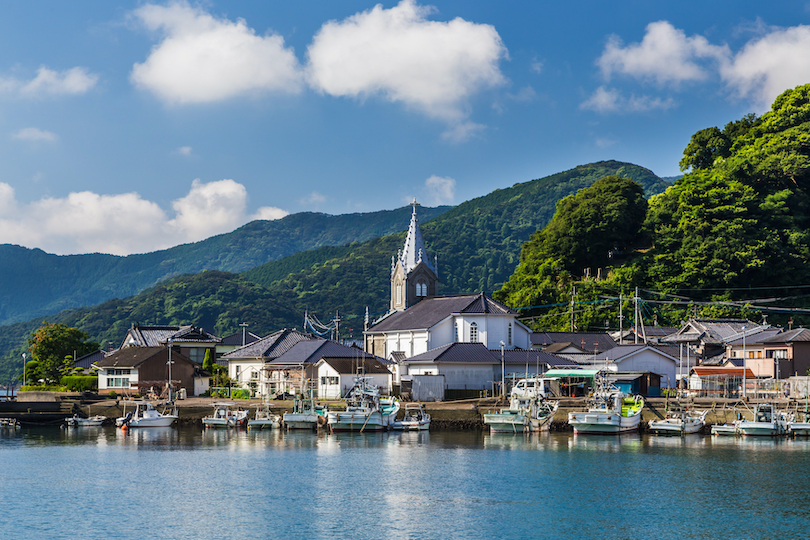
{"x": 421, "y": 288}
{"x": 399, "y": 293}
{"x": 473, "y": 333}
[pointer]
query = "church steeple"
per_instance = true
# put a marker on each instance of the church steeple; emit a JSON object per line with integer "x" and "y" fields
{"x": 413, "y": 275}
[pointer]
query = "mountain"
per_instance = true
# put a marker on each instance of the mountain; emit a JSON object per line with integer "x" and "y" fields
{"x": 477, "y": 244}
{"x": 34, "y": 283}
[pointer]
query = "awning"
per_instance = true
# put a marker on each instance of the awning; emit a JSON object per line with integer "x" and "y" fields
{"x": 571, "y": 372}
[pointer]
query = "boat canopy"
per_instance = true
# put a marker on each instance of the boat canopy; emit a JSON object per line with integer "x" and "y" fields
{"x": 570, "y": 372}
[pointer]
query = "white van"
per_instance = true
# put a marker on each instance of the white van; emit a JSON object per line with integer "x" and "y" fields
{"x": 535, "y": 386}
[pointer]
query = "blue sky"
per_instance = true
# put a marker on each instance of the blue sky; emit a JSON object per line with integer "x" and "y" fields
{"x": 134, "y": 126}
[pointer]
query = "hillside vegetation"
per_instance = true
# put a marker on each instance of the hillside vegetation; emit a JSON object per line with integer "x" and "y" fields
{"x": 728, "y": 238}
{"x": 477, "y": 243}
{"x": 34, "y": 283}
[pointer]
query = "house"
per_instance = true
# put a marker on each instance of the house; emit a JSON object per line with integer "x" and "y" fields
{"x": 646, "y": 334}
{"x": 86, "y": 362}
{"x": 188, "y": 340}
{"x": 719, "y": 382}
{"x": 234, "y": 341}
{"x": 335, "y": 376}
{"x": 785, "y": 354}
{"x": 140, "y": 370}
{"x": 474, "y": 367}
{"x": 574, "y": 342}
{"x": 661, "y": 361}
{"x": 748, "y": 348}
{"x": 709, "y": 337}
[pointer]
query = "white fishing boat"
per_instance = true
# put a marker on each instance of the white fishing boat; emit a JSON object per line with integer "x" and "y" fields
{"x": 306, "y": 414}
{"x": 365, "y": 410}
{"x": 9, "y": 423}
{"x": 609, "y": 411}
{"x": 263, "y": 418}
{"x": 799, "y": 423}
{"x": 415, "y": 419}
{"x": 767, "y": 422}
{"x": 92, "y": 421}
{"x": 541, "y": 414}
{"x": 524, "y": 414}
{"x": 225, "y": 417}
{"x": 679, "y": 422}
{"x": 144, "y": 414}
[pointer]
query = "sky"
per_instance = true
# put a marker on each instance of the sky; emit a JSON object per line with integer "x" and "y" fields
{"x": 128, "y": 127}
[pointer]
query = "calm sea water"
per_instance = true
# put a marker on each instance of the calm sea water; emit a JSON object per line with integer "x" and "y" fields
{"x": 187, "y": 483}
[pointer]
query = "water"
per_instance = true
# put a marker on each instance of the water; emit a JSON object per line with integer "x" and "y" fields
{"x": 186, "y": 483}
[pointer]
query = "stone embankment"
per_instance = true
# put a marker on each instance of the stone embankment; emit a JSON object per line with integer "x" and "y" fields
{"x": 458, "y": 415}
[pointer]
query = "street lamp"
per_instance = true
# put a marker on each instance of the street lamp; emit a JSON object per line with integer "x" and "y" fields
{"x": 503, "y": 374}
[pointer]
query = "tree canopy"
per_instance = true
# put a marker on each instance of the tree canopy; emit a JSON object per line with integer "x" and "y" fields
{"x": 54, "y": 346}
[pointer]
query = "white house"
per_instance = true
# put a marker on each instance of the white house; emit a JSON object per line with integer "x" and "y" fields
{"x": 662, "y": 361}
{"x": 335, "y": 377}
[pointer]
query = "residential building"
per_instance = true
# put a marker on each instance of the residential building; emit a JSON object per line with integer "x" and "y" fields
{"x": 140, "y": 370}
{"x": 188, "y": 340}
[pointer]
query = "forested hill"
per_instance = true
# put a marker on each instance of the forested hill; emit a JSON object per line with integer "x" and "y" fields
{"x": 477, "y": 243}
{"x": 729, "y": 238}
{"x": 34, "y": 283}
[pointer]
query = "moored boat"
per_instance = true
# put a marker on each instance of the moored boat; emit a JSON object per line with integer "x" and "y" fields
{"x": 78, "y": 421}
{"x": 682, "y": 422}
{"x": 365, "y": 410}
{"x": 306, "y": 414}
{"x": 767, "y": 422}
{"x": 144, "y": 414}
{"x": 224, "y": 416}
{"x": 609, "y": 412}
{"x": 415, "y": 419}
{"x": 263, "y": 418}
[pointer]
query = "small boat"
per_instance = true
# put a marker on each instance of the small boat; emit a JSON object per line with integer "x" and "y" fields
{"x": 799, "y": 424}
{"x": 264, "y": 419}
{"x": 78, "y": 421}
{"x": 524, "y": 414}
{"x": 767, "y": 422}
{"x": 9, "y": 423}
{"x": 225, "y": 417}
{"x": 726, "y": 430}
{"x": 679, "y": 422}
{"x": 306, "y": 414}
{"x": 145, "y": 415}
{"x": 365, "y": 410}
{"x": 609, "y": 411}
{"x": 415, "y": 419}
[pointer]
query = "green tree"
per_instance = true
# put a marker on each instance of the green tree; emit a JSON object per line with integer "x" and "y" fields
{"x": 704, "y": 148}
{"x": 53, "y": 347}
{"x": 208, "y": 362}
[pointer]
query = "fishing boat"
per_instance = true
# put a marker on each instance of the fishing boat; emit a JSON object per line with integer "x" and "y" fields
{"x": 799, "y": 423}
{"x": 9, "y": 423}
{"x": 225, "y": 417}
{"x": 263, "y": 418}
{"x": 144, "y": 415}
{"x": 609, "y": 411}
{"x": 306, "y": 414}
{"x": 78, "y": 421}
{"x": 365, "y": 410}
{"x": 415, "y": 419}
{"x": 767, "y": 422}
{"x": 524, "y": 414}
{"x": 679, "y": 422}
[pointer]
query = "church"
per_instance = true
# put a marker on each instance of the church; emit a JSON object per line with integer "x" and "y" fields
{"x": 419, "y": 319}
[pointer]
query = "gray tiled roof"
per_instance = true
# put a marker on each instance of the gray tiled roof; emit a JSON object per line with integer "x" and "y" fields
{"x": 622, "y": 351}
{"x": 272, "y": 346}
{"x": 131, "y": 357}
{"x": 479, "y": 354}
{"x": 713, "y": 331}
{"x": 310, "y": 351}
{"x": 348, "y": 366}
{"x": 236, "y": 338}
{"x": 156, "y": 335}
{"x": 588, "y": 341}
{"x": 434, "y": 309}
{"x": 790, "y": 336}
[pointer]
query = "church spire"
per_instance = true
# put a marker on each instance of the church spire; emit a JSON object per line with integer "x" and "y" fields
{"x": 414, "y": 250}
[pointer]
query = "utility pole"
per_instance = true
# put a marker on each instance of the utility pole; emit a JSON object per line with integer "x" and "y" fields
{"x": 635, "y": 315}
{"x": 573, "y": 296}
{"x": 621, "y": 321}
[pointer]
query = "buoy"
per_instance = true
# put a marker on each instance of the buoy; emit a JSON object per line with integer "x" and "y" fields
{"x": 124, "y": 427}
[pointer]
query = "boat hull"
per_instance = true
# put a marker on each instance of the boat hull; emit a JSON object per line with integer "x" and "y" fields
{"x": 301, "y": 421}
{"x": 415, "y": 425}
{"x": 265, "y": 423}
{"x": 725, "y": 430}
{"x": 800, "y": 429}
{"x": 356, "y": 421}
{"x": 761, "y": 429}
{"x": 507, "y": 421}
{"x": 603, "y": 422}
{"x": 163, "y": 421}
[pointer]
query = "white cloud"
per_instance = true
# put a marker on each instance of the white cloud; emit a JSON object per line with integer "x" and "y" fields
{"x": 769, "y": 65}
{"x": 607, "y": 100}
{"x": 269, "y": 213}
{"x": 183, "y": 151}
{"x": 203, "y": 59}
{"x": 73, "y": 81}
{"x": 665, "y": 55}
{"x": 462, "y": 132}
{"x": 35, "y": 134}
{"x": 537, "y": 66}
{"x": 397, "y": 53}
{"x": 125, "y": 223}
{"x": 440, "y": 190}
{"x": 313, "y": 198}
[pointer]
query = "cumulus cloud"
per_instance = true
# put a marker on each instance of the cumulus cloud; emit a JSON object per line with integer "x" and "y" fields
{"x": 35, "y": 134}
{"x": 440, "y": 190}
{"x": 399, "y": 54}
{"x": 609, "y": 100}
{"x": 183, "y": 151}
{"x": 313, "y": 198}
{"x": 74, "y": 81}
{"x": 770, "y": 64}
{"x": 125, "y": 223}
{"x": 269, "y": 213}
{"x": 204, "y": 59}
{"x": 665, "y": 55}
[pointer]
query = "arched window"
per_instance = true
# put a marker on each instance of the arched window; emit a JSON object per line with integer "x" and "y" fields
{"x": 399, "y": 293}
{"x": 421, "y": 288}
{"x": 473, "y": 332}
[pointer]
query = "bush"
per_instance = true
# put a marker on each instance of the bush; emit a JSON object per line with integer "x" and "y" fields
{"x": 242, "y": 393}
{"x": 79, "y": 383}
{"x": 113, "y": 394}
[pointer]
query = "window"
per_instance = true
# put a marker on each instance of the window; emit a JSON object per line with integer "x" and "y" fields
{"x": 473, "y": 332}
{"x": 399, "y": 293}
{"x": 254, "y": 374}
{"x": 455, "y": 331}
{"x": 421, "y": 288}
{"x": 329, "y": 381}
{"x": 510, "y": 335}
{"x": 197, "y": 354}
